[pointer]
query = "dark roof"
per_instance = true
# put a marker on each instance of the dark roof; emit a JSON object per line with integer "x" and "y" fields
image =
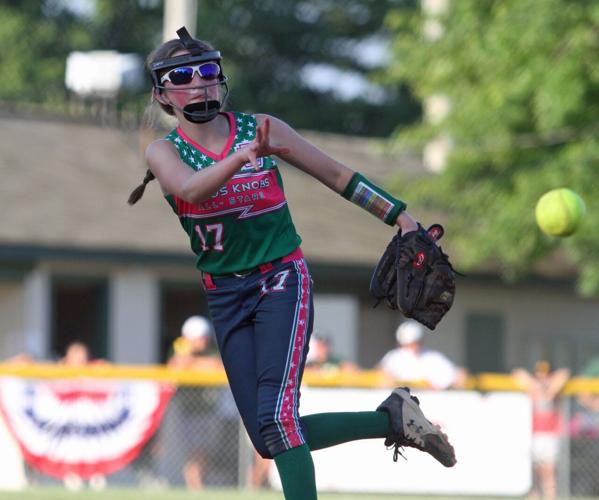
{"x": 65, "y": 185}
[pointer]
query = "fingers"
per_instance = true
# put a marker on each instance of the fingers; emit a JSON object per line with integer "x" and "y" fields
{"x": 253, "y": 158}
{"x": 262, "y": 133}
{"x": 261, "y": 146}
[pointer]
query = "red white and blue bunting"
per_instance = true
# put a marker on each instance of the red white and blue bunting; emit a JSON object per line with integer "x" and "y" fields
{"x": 82, "y": 427}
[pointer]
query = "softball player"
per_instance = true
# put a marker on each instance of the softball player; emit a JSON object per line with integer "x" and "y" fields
{"x": 218, "y": 173}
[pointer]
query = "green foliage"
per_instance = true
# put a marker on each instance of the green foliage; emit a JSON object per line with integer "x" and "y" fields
{"x": 265, "y": 43}
{"x": 37, "y": 36}
{"x": 32, "y": 61}
{"x": 523, "y": 80}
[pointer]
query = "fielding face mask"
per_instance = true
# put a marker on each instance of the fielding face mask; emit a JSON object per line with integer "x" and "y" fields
{"x": 180, "y": 70}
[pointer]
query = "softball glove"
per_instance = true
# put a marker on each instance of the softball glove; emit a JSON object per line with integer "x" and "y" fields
{"x": 415, "y": 276}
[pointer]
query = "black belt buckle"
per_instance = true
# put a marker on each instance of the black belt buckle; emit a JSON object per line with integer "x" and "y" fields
{"x": 244, "y": 274}
{"x": 247, "y": 272}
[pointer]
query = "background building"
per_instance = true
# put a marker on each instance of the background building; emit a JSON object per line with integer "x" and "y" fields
{"x": 76, "y": 262}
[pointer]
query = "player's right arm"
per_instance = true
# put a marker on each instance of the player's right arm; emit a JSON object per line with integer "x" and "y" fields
{"x": 179, "y": 179}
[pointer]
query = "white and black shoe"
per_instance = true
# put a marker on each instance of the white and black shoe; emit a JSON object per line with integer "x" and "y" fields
{"x": 409, "y": 427}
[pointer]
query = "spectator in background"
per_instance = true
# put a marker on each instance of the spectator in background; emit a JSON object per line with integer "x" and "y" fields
{"x": 411, "y": 362}
{"x": 320, "y": 360}
{"x": 544, "y": 387}
{"x": 193, "y": 349}
{"x": 76, "y": 354}
{"x": 205, "y": 412}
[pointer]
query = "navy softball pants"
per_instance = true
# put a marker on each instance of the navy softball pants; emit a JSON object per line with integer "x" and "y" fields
{"x": 263, "y": 322}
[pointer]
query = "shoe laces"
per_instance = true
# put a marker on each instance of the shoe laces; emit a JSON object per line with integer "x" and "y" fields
{"x": 401, "y": 443}
{"x": 397, "y": 453}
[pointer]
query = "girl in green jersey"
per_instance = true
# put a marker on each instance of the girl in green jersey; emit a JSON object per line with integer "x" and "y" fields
{"x": 218, "y": 172}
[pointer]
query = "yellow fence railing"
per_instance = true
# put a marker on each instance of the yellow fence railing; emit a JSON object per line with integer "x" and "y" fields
{"x": 363, "y": 378}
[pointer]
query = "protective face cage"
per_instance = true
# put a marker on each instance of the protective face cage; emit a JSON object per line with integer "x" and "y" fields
{"x": 198, "y": 112}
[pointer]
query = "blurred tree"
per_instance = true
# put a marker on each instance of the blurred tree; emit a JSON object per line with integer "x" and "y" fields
{"x": 113, "y": 28}
{"x": 523, "y": 82}
{"x": 35, "y": 43}
{"x": 267, "y": 45}
{"x": 38, "y": 35}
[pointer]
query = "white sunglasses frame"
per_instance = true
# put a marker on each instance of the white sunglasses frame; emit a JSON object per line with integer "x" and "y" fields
{"x": 195, "y": 68}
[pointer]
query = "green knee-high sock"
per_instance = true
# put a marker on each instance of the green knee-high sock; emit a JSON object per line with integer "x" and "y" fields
{"x": 330, "y": 429}
{"x": 296, "y": 470}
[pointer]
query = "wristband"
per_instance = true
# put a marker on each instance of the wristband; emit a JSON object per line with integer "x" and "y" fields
{"x": 373, "y": 199}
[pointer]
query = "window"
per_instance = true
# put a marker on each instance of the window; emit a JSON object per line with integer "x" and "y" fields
{"x": 79, "y": 313}
{"x": 178, "y": 302}
{"x": 485, "y": 343}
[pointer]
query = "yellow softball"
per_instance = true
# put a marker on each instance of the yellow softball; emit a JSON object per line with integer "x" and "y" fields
{"x": 559, "y": 212}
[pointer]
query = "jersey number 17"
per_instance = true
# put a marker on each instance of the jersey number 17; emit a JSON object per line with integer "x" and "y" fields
{"x": 217, "y": 243}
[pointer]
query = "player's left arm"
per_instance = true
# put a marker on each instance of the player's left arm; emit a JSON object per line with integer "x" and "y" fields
{"x": 304, "y": 155}
{"x": 307, "y": 157}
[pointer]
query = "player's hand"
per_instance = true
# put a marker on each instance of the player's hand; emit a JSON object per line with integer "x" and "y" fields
{"x": 406, "y": 222}
{"x": 261, "y": 146}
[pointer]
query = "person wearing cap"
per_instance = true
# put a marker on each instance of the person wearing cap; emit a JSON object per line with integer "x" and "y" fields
{"x": 321, "y": 360}
{"x": 203, "y": 412}
{"x": 411, "y": 362}
{"x": 192, "y": 348}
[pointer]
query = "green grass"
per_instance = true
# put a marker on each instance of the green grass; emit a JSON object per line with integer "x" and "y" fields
{"x": 212, "y": 494}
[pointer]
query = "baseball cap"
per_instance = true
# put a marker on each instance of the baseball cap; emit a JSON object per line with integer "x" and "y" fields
{"x": 196, "y": 327}
{"x": 408, "y": 332}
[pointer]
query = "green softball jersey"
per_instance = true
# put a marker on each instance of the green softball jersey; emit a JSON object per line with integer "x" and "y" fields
{"x": 247, "y": 221}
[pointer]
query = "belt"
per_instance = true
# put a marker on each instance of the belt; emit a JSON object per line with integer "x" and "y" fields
{"x": 263, "y": 268}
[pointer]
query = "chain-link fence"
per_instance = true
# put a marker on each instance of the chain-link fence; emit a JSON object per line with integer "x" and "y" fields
{"x": 578, "y": 464}
{"x": 199, "y": 441}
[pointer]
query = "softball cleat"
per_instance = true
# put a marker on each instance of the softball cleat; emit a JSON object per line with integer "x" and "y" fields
{"x": 409, "y": 427}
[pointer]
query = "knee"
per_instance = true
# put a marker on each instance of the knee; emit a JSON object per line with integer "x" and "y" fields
{"x": 263, "y": 451}
{"x": 260, "y": 446}
{"x": 281, "y": 434}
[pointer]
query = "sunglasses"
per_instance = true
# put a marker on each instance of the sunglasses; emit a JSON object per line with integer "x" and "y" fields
{"x": 184, "y": 74}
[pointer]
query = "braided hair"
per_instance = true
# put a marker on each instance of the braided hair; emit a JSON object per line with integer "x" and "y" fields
{"x": 138, "y": 192}
{"x": 165, "y": 50}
